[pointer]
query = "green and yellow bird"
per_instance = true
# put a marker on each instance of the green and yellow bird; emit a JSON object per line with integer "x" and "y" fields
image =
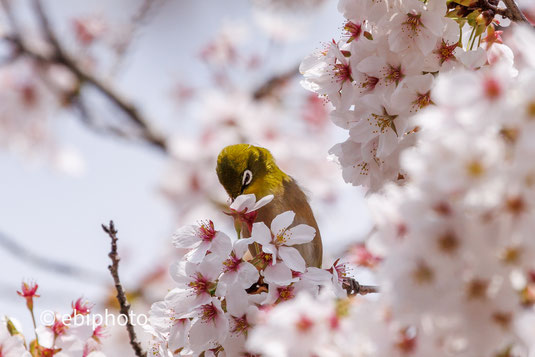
{"x": 245, "y": 169}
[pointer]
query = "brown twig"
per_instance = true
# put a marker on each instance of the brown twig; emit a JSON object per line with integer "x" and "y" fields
{"x": 368, "y": 289}
{"x": 121, "y": 296}
{"x": 136, "y": 21}
{"x": 273, "y": 83}
{"x": 497, "y": 10}
{"x": 354, "y": 288}
{"x": 511, "y": 11}
{"x": 516, "y": 13}
{"x": 47, "y": 264}
{"x": 129, "y": 109}
{"x": 59, "y": 56}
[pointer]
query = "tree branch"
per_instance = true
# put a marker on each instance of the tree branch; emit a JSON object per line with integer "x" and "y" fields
{"x": 516, "y": 13}
{"x": 354, "y": 288}
{"x": 267, "y": 88}
{"x": 61, "y": 57}
{"x": 45, "y": 263}
{"x": 136, "y": 21}
{"x": 121, "y": 296}
{"x": 511, "y": 11}
{"x": 497, "y": 10}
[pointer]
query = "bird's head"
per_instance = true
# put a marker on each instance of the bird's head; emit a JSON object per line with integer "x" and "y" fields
{"x": 245, "y": 168}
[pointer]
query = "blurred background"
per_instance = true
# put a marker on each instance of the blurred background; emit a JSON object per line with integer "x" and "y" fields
{"x": 118, "y": 109}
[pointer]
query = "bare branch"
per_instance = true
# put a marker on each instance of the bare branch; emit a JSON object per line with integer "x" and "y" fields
{"x": 10, "y": 17}
{"x": 516, "y": 13}
{"x": 497, "y": 10}
{"x": 354, "y": 288}
{"x": 85, "y": 77}
{"x": 88, "y": 119}
{"x": 59, "y": 56}
{"x": 274, "y": 83}
{"x": 368, "y": 289}
{"x": 121, "y": 296}
{"x": 137, "y": 20}
{"x": 46, "y": 263}
{"x": 511, "y": 11}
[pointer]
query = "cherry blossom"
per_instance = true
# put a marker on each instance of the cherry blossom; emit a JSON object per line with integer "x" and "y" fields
{"x": 277, "y": 244}
{"x": 219, "y": 300}
{"x": 388, "y": 57}
{"x": 201, "y": 239}
{"x": 244, "y": 208}
{"x": 11, "y": 344}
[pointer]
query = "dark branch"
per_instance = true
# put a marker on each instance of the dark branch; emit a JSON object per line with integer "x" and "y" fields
{"x": 497, "y": 10}
{"x": 45, "y": 263}
{"x": 354, "y": 288}
{"x": 121, "y": 295}
{"x": 274, "y": 83}
{"x": 137, "y": 20}
{"x": 516, "y": 13}
{"x": 129, "y": 109}
{"x": 511, "y": 11}
{"x": 59, "y": 56}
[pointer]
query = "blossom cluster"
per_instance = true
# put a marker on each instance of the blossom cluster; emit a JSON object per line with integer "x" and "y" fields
{"x": 456, "y": 267}
{"x": 57, "y": 337}
{"x": 221, "y": 293}
{"x": 383, "y": 71}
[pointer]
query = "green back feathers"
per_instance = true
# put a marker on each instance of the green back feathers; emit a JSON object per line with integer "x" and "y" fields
{"x": 235, "y": 160}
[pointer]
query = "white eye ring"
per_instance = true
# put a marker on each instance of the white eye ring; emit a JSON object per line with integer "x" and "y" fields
{"x": 247, "y": 178}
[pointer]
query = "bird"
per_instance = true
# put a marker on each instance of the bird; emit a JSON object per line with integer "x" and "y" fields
{"x": 245, "y": 169}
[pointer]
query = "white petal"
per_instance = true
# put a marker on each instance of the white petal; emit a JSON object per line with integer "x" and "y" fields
{"x": 237, "y": 302}
{"x": 292, "y": 258}
{"x": 186, "y": 237}
{"x": 262, "y": 202}
{"x": 202, "y": 336}
{"x": 241, "y": 245}
{"x": 179, "y": 333}
{"x": 248, "y": 274}
{"x": 270, "y": 249}
{"x": 177, "y": 270}
{"x": 225, "y": 282}
{"x": 317, "y": 275}
{"x": 261, "y": 233}
{"x": 183, "y": 301}
{"x": 282, "y": 221}
{"x": 206, "y": 335}
{"x": 45, "y": 335}
{"x": 426, "y": 42}
{"x": 196, "y": 255}
{"x": 300, "y": 234}
{"x": 92, "y": 354}
{"x": 244, "y": 201}
{"x": 158, "y": 316}
{"x": 221, "y": 245}
{"x": 433, "y": 22}
{"x": 210, "y": 268}
{"x": 278, "y": 274}
{"x": 371, "y": 65}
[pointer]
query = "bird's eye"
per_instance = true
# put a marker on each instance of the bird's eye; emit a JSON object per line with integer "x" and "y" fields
{"x": 246, "y": 178}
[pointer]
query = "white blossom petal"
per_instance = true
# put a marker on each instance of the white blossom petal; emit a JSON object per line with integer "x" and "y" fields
{"x": 282, "y": 221}
{"x": 292, "y": 258}
{"x": 278, "y": 274}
